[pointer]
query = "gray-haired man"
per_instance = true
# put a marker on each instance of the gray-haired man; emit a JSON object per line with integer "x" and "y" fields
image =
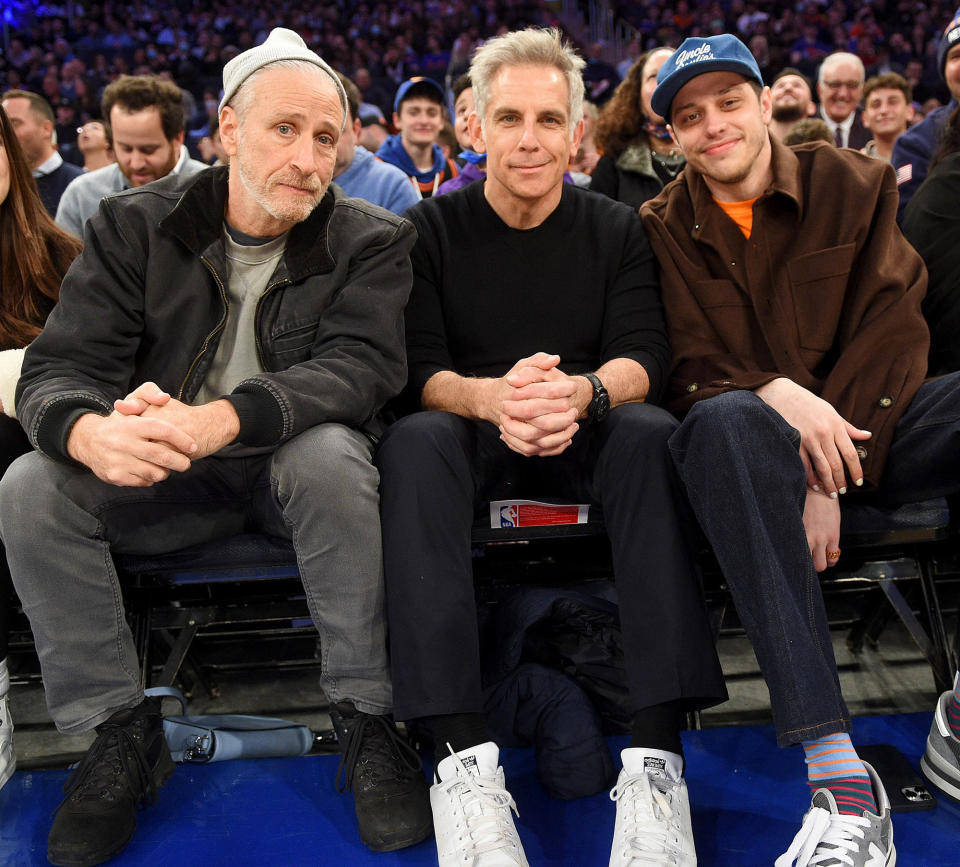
{"x": 271, "y": 307}
{"x": 519, "y": 263}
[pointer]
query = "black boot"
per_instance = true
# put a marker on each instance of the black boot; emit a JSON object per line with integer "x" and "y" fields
{"x": 390, "y": 793}
{"x": 125, "y": 766}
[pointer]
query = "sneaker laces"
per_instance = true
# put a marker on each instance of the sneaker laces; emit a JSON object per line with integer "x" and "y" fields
{"x": 646, "y": 829}
{"x": 371, "y": 752}
{"x": 482, "y": 802}
{"x": 117, "y": 754}
{"x": 825, "y": 837}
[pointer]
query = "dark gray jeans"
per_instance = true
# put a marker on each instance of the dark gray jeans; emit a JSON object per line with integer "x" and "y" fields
{"x": 739, "y": 463}
{"x": 61, "y": 525}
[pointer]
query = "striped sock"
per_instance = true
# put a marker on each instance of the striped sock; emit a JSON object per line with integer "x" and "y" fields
{"x": 833, "y": 763}
{"x": 953, "y": 708}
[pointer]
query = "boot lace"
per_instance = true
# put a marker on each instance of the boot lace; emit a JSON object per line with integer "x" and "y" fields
{"x": 116, "y": 760}
{"x": 374, "y": 753}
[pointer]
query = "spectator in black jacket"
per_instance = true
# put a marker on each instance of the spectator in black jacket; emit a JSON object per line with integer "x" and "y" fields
{"x": 932, "y": 224}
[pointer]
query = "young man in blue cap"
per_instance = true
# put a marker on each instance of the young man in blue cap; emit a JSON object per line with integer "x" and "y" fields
{"x": 799, "y": 357}
{"x": 418, "y": 114}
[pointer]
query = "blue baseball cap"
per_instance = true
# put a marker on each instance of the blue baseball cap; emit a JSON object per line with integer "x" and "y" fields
{"x": 696, "y": 56}
{"x": 424, "y": 85}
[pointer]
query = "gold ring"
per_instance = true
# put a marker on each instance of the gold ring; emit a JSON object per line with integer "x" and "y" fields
{"x": 833, "y": 555}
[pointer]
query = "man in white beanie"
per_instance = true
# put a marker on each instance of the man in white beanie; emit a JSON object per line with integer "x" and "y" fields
{"x": 217, "y": 362}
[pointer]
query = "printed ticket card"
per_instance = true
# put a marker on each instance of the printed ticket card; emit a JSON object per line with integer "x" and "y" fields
{"x": 530, "y": 513}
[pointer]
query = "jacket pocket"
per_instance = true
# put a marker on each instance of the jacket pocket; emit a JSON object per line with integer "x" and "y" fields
{"x": 818, "y": 285}
{"x": 731, "y": 315}
{"x": 293, "y": 342}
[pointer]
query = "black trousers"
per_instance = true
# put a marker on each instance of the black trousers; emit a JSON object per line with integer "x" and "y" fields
{"x": 13, "y": 443}
{"x": 436, "y": 467}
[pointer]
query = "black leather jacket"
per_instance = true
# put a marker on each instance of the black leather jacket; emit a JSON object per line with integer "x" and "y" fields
{"x": 146, "y": 301}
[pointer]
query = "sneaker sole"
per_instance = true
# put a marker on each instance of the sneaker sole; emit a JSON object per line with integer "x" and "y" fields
{"x": 948, "y": 785}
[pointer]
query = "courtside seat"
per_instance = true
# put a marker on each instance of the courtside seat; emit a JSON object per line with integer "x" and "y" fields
{"x": 251, "y": 581}
{"x": 235, "y": 588}
{"x": 886, "y": 546}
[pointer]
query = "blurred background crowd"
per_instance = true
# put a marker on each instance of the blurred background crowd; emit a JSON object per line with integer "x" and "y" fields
{"x": 70, "y": 53}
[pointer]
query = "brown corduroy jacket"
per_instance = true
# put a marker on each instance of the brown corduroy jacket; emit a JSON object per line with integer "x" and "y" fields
{"x": 826, "y": 291}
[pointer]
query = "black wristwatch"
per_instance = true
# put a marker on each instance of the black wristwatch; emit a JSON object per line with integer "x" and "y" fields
{"x": 600, "y": 405}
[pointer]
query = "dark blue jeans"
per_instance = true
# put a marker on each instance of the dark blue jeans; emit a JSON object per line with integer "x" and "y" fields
{"x": 739, "y": 463}
{"x": 435, "y": 467}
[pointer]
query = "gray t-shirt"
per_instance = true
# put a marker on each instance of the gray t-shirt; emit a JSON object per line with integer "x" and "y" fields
{"x": 250, "y": 265}
{"x": 249, "y": 268}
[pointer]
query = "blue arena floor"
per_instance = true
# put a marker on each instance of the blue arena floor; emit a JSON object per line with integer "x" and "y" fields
{"x": 747, "y": 796}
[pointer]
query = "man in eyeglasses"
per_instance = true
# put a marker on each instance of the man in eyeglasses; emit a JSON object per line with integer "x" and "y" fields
{"x": 840, "y": 88}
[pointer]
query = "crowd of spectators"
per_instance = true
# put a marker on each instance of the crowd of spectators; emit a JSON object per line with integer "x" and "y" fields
{"x": 70, "y": 53}
{"x": 888, "y": 35}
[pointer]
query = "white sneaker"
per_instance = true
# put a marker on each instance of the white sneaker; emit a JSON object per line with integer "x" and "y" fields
{"x": 653, "y": 812}
{"x": 8, "y": 759}
{"x": 471, "y": 811}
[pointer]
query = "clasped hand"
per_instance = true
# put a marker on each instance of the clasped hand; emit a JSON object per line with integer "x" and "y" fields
{"x": 148, "y": 436}
{"x": 536, "y": 406}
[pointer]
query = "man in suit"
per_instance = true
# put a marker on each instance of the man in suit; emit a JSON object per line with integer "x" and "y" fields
{"x": 840, "y": 88}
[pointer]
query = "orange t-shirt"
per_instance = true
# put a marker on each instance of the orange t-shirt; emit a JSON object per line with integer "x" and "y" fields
{"x": 741, "y": 213}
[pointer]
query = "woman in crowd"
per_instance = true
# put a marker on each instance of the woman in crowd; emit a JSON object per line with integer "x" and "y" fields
{"x": 931, "y": 223}
{"x": 639, "y": 157}
{"x": 34, "y": 255}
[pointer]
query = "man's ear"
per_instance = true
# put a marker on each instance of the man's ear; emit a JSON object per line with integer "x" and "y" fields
{"x": 475, "y": 129}
{"x": 766, "y": 106}
{"x": 229, "y": 124}
{"x": 577, "y": 137}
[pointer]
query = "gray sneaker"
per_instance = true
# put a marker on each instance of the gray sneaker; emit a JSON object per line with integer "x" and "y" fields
{"x": 941, "y": 761}
{"x": 830, "y": 839}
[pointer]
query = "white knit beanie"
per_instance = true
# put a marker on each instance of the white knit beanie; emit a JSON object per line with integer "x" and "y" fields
{"x": 281, "y": 44}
